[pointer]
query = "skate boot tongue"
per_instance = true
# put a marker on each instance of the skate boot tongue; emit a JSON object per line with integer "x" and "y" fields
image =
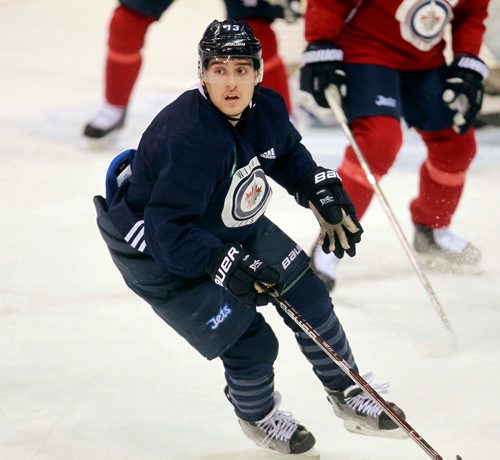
{"x": 440, "y": 249}
{"x": 280, "y": 432}
{"x": 361, "y": 414}
{"x": 108, "y": 119}
{"x": 361, "y": 402}
{"x": 447, "y": 240}
{"x": 277, "y": 424}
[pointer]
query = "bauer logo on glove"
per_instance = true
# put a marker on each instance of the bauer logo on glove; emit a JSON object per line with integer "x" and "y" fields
{"x": 245, "y": 277}
{"x": 322, "y": 192}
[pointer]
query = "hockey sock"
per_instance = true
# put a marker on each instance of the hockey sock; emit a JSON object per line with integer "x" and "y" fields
{"x": 127, "y": 30}
{"x": 330, "y": 375}
{"x": 275, "y": 76}
{"x": 311, "y": 299}
{"x": 249, "y": 372}
{"x": 379, "y": 139}
{"x": 442, "y": 176}
{"x": 252, "y": 399}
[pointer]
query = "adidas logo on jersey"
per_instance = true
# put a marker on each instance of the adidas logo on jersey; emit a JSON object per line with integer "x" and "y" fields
{"x": 269, "y": 154}
{"x": 135, "y": 237}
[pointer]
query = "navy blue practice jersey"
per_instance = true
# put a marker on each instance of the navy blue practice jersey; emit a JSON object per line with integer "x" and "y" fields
{"x": 198, "y": 181}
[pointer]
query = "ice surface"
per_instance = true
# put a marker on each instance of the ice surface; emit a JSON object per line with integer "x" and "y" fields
{"x": 87, "y": 371}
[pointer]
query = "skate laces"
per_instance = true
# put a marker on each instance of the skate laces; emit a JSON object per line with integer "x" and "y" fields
{"x": 278, "y": 425}
{"x": 361, "y": 402}
{"x": 108, "y": 116}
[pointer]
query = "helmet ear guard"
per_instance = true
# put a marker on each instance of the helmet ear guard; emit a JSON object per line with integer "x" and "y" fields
{"x": 232, "y": 39}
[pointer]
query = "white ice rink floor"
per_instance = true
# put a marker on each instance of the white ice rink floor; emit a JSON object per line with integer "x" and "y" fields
{"x": 87, "y": 371}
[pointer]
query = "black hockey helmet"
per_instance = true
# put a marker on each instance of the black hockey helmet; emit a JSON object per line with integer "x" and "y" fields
{"x": 232, "y": 39}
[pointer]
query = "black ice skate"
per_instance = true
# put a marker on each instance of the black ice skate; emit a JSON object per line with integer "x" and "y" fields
{"x": 280, "y": 432}
{"x": 361, "y": 415}
{"x": 108, "y": 120}
{"x": 441, "y": 250}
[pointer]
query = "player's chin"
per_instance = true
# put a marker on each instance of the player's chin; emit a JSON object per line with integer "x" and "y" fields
{"x": 233, "y": 112}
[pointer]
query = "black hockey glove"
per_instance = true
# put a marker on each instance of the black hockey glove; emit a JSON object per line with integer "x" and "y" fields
{"x": 322, "y": 65}
{"x": 464, "y": 90}
{"x": 234, "y": 269}
{"x": 291, "y": 10}
{"x": 323, "y": 193}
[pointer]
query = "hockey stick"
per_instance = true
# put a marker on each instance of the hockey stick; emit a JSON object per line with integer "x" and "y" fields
{"x": 333, "y": 98}
{"x": 277, "y": 299}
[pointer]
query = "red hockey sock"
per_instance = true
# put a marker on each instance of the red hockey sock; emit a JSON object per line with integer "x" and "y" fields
{"x": 379, "y": 138}
{"x": 127, "y": 30}
{"x": 275, "y": 76}
{"x": 442, "y": 176}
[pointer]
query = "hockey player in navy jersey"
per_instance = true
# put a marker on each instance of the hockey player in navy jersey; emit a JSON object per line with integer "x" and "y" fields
{"x": 184, "y": 222}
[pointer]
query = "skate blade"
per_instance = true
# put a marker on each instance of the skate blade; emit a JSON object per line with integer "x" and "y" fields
{"x": 311, "y": 454}
{"x": 358, "y": 428}
{"x": 89, "y": 143}
{"x": 439, "y": 265}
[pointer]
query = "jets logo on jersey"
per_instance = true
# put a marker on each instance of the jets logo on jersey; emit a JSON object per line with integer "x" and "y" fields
{"x": 247, "y": 197}
{"x": 253, "y": 194}
{"x": 422, "y": 22}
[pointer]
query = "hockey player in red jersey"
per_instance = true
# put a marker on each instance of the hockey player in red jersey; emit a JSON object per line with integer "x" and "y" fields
{"x": 127, "y": 31}
{"x": 386, "y": 58}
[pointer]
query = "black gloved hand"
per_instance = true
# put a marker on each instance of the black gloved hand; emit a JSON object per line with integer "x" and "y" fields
{"x": 243, "y": 276}
{"x": 322, "y": 66}
{"x": 293, "y": 10}
{"x": 464, "y": 90}
{"x": 323, "y": 193}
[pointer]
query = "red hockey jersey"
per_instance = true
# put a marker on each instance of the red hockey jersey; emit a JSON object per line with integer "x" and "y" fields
{"x": 404, "y": 35}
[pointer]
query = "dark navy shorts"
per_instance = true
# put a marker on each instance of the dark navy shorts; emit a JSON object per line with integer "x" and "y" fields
{"x": 414, "y": 96}
{"x": 235, "y": 8}
{"x": 151, "y": 8}
{"x": 205, "y": 314}
{"x": 259, "y": 9}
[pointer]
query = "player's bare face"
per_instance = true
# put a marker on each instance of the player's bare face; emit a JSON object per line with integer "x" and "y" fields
{"x": 230, "y": 82}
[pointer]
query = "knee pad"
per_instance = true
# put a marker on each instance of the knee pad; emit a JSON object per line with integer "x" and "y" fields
{"x": 442, "y": 176}
{"x": 379, "y": 139}
{"x": 449, "y": 154}
{"x": 253, "y": 355}
{"x": 311, "y": 299}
